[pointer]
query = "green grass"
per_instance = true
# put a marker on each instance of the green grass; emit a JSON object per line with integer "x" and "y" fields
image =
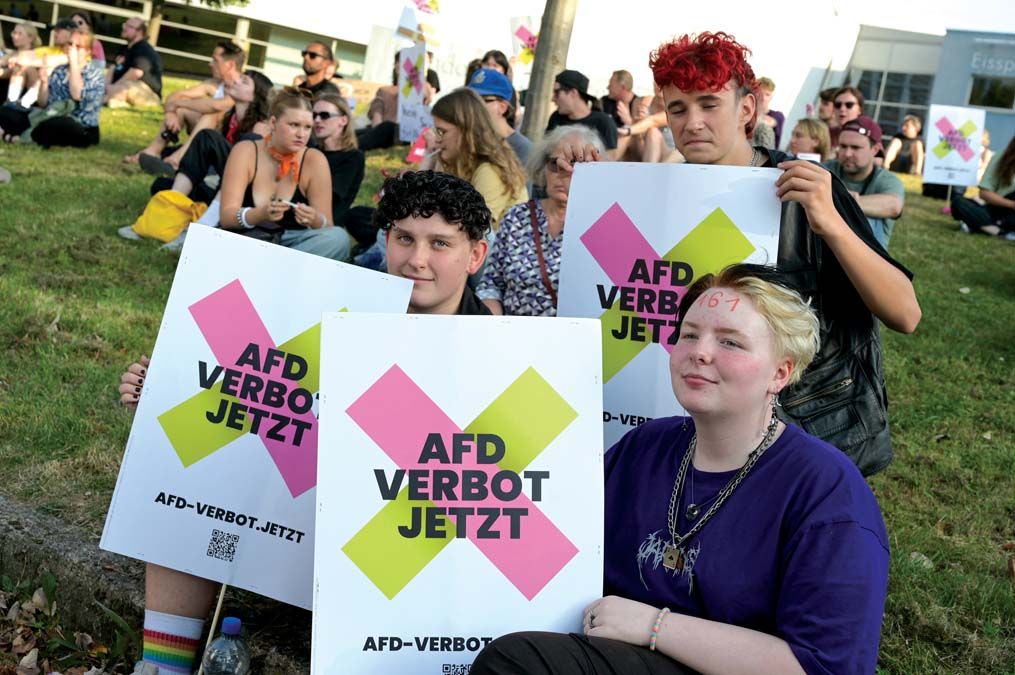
{"x": 79, "y": 304}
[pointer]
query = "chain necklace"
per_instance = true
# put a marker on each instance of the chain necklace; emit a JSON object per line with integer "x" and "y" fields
{"x": 755, "y": 156}
{"x": 674, "y": 555}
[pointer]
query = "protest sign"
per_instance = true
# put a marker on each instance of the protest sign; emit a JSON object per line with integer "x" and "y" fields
{"x": 461, "y": 487}
{"x": 419, "y": 21}
{"x": 220, "y": 467}
{"x": 413, "y": 113}
{"x": 954, "y": 142}
{"x": 637, "y": 235}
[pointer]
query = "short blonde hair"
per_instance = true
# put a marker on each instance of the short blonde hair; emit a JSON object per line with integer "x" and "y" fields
{"x": 817, "y": 130}
{"x": 767, "y": 84}
{"x": 796, "y": 332}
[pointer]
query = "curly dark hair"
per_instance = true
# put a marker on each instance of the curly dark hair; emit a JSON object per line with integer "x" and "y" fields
{"x": 421, "y": 194}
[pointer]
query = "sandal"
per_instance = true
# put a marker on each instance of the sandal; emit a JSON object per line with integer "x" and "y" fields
{"x": 155, "y": 166}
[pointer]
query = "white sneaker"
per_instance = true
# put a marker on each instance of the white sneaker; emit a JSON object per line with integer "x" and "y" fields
{"x": 176, "y": 245}
{"x": 992, "y": 230}
{"x": 964, "y": 228}
{"x": 1010, "y": 236}
{"x": 127, "y": 232}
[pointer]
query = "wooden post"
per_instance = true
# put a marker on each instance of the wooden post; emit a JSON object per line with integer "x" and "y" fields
{"x": 551, "y": 58}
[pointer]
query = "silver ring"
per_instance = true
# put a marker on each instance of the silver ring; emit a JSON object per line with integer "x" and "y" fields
{"x": 592, "y": 620}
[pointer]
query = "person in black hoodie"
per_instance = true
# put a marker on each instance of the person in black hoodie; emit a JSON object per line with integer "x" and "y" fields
{"x": 336, "y": 137}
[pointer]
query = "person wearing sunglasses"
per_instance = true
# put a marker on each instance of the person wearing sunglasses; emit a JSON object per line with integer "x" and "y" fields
{"x": 336, "y": 138}
{"x": 83, "y": 19}
{"x": 523, "y": 271}
{"x": 318, "y": 68}
{"x": 847, "y": 105}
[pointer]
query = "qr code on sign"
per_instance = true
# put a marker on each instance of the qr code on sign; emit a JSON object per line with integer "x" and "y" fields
{"x": 456, "y": 668}
{"x": 223, "y": 545}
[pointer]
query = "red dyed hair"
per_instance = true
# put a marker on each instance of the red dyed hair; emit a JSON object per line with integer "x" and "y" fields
{"x": 705, "y": 63}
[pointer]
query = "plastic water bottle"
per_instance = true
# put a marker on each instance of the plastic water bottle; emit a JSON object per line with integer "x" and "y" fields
{"x": 228, "y": 653}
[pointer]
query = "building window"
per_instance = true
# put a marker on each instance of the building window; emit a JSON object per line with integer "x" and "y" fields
{"x": 993, "y": 92}
{"x": 889, "y": 96}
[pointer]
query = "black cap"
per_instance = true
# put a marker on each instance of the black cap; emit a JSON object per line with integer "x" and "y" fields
{"x": 572, "y": 79}
{"x": 64, "y": 24}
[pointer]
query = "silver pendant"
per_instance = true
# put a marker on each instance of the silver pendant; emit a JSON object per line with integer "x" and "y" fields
{"x": 692, "y": 511}
{"x": 673, "y": 558}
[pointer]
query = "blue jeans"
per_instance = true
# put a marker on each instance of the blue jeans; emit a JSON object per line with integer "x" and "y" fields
{"x": 327, "y": 242}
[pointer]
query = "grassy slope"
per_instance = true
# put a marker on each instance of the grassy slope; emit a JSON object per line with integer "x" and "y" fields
{"x": 950, "y": 495}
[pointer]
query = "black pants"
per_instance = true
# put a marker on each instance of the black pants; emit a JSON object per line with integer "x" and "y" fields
{"x": 976, "y": 216}
{"x": 62, "y": 130}
{"x": 563, "y": 654}
{"x": 13, "y": 120}
{"x": 383, "y": 135}
{"x": 208, "y": 151}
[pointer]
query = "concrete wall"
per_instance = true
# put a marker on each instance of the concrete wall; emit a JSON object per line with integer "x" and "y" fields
{"x": 966, "y": 54}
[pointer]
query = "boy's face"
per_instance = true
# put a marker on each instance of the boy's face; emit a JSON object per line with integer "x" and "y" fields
{"x": 438, "y": 257}
{"x": 708, "y": 125}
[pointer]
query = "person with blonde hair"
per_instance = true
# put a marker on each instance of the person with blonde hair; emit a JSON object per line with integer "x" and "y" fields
{"x": 811, "y": 136}
{"x": 336, "y": 138}
{"x": 771, "y": 118}
{"x": 277, "y": 189}
{"x": 464, "y": 143}
{"x": 905, "y": 152}
{"x": 735, "y": 542}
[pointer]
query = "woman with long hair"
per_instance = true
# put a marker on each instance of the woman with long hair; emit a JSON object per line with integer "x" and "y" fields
{"x": 209, "y": 148}
{"x": 84, "y": 20}
{"x": 21, "y": 78}
{"x": 997, "y": 190}
{"x": 336, "y": 138}
{"x": 464, "y": 143}
{"x": 735, "y": 542}
{"x": 905, "y": 152}
{"x": 277, "y": 189}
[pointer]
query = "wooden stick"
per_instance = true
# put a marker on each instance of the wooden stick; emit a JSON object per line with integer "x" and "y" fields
{"x": 214, "y": 625}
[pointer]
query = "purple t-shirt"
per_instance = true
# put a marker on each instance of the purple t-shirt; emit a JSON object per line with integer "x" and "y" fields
{"x": 798, "y": 551}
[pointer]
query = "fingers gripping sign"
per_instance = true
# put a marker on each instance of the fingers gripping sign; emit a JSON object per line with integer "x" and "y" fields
{"x": 811, "y": 186}
{"x": 617, "y": 618}
{"x": 572, "y": 151}
{"x": 132, "y": 382}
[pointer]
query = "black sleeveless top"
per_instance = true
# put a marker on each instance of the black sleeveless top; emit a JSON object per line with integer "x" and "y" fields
{"x": 288, "y": 221}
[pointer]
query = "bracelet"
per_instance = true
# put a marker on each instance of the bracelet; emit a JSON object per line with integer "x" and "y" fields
{"x": 324, "y": 220}
{"x": 241, "y": 218}
{"x": 654, "y": 637}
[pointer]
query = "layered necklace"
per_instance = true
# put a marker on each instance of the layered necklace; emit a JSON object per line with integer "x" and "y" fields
{"x": 675, "y": 553}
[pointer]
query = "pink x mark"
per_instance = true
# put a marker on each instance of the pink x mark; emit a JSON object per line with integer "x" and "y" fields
{"x": 955, "y": 138}
{"x": 616, "y": 243}
{"x": 229, "y": 323}
{"x": 527, "y": 37}
{"x": 525, "y": 567}
{"x": 413, "y": 74}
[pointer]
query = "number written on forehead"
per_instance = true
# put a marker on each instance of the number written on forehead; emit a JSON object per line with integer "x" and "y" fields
{"x": 715, "y": 298}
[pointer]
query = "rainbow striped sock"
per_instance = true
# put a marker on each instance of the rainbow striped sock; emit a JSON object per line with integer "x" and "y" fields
{"x": 170, "y": 641}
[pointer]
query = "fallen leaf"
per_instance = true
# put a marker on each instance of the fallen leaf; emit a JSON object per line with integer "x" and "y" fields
{"x": 31, "y": 660}
{"x": 987, "y": 436}
{"x": 40, "y": 600}
{"x": 940, "y": 437}
{"x": 921, "y": 560}
{"x": 964, "y": 290}
{"x": 83, "y": 640}
{"x": 1011, "y": 568}
{"x": 944, "y": 528}
{"x": 13, "y": 612}
{"x": 96, "y": 671}
{"x": 1010, "y": 546}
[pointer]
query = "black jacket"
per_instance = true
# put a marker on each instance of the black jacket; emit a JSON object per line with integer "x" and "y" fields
{"x": 841, "y": 397}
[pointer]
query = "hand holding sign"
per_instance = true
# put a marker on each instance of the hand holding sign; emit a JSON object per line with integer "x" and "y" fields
{"x": 811, "y": 186}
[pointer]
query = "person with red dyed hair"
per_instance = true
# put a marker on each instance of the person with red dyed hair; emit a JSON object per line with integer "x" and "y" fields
{"x": 709, "y": 89}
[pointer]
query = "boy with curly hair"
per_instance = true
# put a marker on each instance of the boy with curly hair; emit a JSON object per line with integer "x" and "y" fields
{"x": 435, "y": 226}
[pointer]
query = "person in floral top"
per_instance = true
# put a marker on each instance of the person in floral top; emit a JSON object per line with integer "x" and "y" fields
{"x": 72, "y": 97}
{"x": 522, "y": 274}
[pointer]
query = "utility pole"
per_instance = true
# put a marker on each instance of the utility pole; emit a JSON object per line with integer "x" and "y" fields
{"x": 551, "y": 58}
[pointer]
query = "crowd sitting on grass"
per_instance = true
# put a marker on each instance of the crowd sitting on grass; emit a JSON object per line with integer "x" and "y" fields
{"x": 283, "y": 166}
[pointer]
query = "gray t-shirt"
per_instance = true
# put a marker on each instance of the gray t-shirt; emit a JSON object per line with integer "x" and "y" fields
{"x": 881, "y": 182}
{"x": 521, "y": 145}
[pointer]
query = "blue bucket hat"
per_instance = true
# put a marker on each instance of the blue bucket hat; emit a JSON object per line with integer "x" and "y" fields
{"x": 490, "y": 82}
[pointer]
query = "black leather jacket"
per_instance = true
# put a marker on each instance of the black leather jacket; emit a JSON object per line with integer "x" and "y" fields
{"x": 841, "y": 397}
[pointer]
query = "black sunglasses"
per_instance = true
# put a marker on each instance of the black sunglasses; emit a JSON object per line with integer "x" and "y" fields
{"x": 839, "y": 105}
{"x": 313, "y": 55}
{"x": 326, "y": 115}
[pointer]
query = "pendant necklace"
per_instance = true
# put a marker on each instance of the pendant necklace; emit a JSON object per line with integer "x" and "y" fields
{"x": 675, "y": 553}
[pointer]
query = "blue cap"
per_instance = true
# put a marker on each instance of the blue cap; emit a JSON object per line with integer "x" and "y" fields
{"x": 490, "y": 82}
{"x": 231, "y": 625}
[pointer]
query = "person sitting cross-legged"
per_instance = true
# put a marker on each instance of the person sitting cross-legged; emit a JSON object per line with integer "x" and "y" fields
{"x": 735, "y": 543}
{"x": 997, "y": 192}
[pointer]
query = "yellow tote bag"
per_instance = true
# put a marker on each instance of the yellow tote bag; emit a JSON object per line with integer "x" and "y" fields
{"x": 167, "y": 214}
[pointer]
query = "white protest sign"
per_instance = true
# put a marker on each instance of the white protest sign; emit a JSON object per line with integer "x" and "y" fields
{"x": 636, "y": 236}
{"x": 413, "y": 114}
{"x": 494, "y": 421}
{"x": 954, "y": 142}
{"x": 218, "y": 478}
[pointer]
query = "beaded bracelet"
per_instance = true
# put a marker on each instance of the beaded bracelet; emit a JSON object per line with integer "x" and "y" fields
{"x": 654, "y": 637}
{"x": 241, "y": 218}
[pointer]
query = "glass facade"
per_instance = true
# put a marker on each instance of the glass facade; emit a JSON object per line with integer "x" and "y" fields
{"x": 890, "y": 96}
